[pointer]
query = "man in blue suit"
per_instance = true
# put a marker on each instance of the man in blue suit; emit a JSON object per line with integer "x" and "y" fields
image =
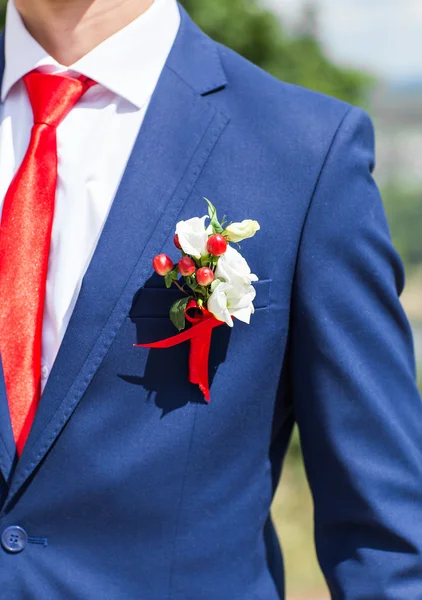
{"x": 117, "y": 480}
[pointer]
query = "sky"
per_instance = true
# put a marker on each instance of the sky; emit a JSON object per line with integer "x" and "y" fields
{"x": 383, "y": 36}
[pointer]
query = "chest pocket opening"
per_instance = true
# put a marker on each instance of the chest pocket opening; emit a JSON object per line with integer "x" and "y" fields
{"x": 155, "y": 302}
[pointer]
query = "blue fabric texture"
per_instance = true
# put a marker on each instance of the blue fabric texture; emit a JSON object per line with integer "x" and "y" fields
{"x": 142, "y": 489}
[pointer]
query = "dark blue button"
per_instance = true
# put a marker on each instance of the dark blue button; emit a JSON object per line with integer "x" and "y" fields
{"x": 14, "y": 539}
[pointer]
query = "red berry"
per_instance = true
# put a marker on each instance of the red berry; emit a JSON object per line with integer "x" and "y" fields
{"x": 186, "y": 266}
{"x": 204, "y": 276}
{"x": 176, "y": 242}
{"x": 217, "y": 244}
{"x": 162, "y": 264}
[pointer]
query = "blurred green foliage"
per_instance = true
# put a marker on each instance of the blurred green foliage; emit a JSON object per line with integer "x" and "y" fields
{"x": 256, "y": 33}
{"x": 404, "y": 212}
{"x": 297, "y": 57}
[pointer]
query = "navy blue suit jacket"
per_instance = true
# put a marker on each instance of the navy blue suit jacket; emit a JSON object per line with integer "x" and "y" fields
{"x": 142, "y": 489}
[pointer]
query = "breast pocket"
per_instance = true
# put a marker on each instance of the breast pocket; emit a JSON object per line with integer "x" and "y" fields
{"x": 155, "y": 302}
{"x": 151, "y": 323}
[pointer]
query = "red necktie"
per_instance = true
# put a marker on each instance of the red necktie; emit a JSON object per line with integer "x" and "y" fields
{"x": 25, "y": 236}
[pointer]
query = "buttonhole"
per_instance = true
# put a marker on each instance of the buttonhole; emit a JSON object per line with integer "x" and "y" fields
{"x": 38, "y": 540}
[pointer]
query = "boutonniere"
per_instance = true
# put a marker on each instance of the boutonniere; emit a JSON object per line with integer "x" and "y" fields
{"x": 216, "y": 281}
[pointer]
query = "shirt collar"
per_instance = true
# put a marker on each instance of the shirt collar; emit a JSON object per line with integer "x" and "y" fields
{"x": 128, "y": 63}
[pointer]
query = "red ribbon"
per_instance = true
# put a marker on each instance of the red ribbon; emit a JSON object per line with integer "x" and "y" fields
{"x": 200, "y": 341}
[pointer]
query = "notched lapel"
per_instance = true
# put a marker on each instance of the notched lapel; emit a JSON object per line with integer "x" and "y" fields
{"x": 179, "y": 132}
{"x": 7, "y": 443}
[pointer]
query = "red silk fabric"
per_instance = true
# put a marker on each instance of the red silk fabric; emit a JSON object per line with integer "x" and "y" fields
{"x": 25, "y": 235}
{"x": 199, "y": 335}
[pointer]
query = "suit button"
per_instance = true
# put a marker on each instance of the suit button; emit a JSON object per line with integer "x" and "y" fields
{"x": 14, "y": 539}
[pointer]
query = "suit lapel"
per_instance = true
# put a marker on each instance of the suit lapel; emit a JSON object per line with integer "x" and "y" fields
{"x": 8, "y": 457}
{"x": 180, "y": 129}
{"x": 7, "y": 443}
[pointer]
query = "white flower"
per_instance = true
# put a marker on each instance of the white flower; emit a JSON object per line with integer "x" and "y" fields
{"x": 217, "y": 303}
{"x": 229, "y": 300}
{"x": 236, "y": 232}
{"x": 193, "y": 236}
{"x": 240, "y": 302}
{"x": 233, "y": 268}
{"x": 234, "y": 296}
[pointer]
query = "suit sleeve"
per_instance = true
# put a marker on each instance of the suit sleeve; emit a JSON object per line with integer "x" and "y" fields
{"x": 353, "y": 382}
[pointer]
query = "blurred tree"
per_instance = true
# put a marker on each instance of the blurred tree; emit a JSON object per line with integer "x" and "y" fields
{"x": 257, "y": 33}
{"x": 403, "y": 208}
{"x": 309, "y": 21}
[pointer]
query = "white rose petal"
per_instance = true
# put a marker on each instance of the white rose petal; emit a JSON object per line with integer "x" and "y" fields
{"x": 193, "y": 236}
{"x": 236, "y": 232}
{"x": 240, "y": 302}
{"x": 233, "y": 268}
{"x": 229, "y": 300}
{"x": 217, "y": 304}
{"x": 243, "y": 314}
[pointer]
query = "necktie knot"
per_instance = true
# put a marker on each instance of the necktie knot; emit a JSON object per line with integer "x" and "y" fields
{"x": 52, "y": 96}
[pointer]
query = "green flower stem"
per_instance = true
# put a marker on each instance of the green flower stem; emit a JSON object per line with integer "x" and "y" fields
{"x": 176, "y": 283}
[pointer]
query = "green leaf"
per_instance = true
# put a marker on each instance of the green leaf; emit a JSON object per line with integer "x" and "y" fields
{"x": 212, "y": 212}
{"x": 202, "y": 290}
{"x": 168, "y": 279}
{"x": 177, "y": 313}
{"x": 191, "y": 282}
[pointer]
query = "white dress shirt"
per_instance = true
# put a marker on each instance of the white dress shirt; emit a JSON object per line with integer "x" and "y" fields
{"x": 94, "y": 142}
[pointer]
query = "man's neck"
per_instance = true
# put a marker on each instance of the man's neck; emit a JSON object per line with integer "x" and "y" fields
{"x": 69, "y": 29}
